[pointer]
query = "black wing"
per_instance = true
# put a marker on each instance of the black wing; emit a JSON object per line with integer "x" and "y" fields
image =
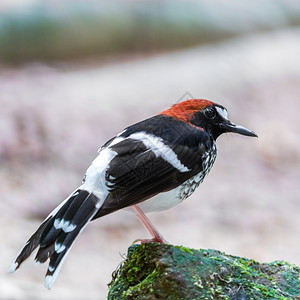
{"x": 138, "y": 173}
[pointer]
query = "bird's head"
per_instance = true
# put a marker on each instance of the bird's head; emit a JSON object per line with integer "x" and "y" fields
{"x": 206, "y": 115}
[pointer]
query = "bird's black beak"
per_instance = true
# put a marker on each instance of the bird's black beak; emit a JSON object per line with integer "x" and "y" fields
{"x": 230, "y": 127}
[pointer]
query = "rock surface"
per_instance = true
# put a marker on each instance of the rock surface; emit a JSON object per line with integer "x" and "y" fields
{"x": 156, "y": 271}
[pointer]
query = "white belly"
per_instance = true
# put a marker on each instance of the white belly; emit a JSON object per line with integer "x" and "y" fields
{"x": 166, "y": 200}
{"x": 161, "y": 201}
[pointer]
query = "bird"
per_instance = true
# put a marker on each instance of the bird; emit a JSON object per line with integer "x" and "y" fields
{"x": 151, "y": 165}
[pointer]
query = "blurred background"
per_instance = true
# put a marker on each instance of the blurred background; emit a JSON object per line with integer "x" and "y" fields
{"x": 75, "y": 73}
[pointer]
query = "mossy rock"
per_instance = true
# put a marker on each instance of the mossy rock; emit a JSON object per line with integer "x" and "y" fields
{"x": 161, "y": 271}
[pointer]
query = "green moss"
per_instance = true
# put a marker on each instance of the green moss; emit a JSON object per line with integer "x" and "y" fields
{"x": 141, "y": 275}
{"x": 155, "y": 271}
{"x": 185, "y": 249}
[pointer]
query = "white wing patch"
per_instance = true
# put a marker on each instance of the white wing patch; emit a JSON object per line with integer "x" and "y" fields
{"x": 222, "y": 112}
{"x": 95, "y": 174}
{"x": 156, "y": 145}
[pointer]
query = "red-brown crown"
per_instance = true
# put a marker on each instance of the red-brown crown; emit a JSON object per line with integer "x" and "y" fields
{"x": 185, "y": 110}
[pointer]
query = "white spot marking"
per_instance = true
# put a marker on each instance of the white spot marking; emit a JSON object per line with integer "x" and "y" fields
{"x": 13, "y": 267}
{"x": 57, "y": 224}
{"x": 49, "y": 280}
{"x": 110, "y": 177}
{"x": 51, "y": 269}
{"x": 157, "y": 145}
{"x": 59, "y": 248}
{"x": 222, "y": 112}
{"x": 67, "y": 226}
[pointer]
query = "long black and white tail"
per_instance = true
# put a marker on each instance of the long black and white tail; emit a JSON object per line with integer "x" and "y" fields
{"x": 57, "y": 233}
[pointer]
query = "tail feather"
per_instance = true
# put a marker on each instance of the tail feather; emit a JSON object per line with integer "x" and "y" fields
{"x": 51, "y": 230}
{"x": 61, "y": 250}
{"x": 75, "y": 206}
{"x": 66, "y": 238}
{"x": 44, "y": 253}
{"x": 29, "y": 247}
{"x": 57, "y": 233}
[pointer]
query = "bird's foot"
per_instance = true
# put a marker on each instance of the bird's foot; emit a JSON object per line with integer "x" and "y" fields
{"x": 159, "y": 239}
{"x": 156, "y": 236}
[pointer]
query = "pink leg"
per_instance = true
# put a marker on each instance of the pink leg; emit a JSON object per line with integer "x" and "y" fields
{"x": 156, "y": 236}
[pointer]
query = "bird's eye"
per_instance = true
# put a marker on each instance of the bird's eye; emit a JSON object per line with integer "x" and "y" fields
{"x": 210, "y": 113}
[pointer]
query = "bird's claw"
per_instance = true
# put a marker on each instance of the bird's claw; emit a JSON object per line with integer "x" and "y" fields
{"x": 160, "y": 240}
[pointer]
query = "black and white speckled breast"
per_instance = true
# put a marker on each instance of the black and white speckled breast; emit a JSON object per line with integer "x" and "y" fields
{"x": 189, "y": 186}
